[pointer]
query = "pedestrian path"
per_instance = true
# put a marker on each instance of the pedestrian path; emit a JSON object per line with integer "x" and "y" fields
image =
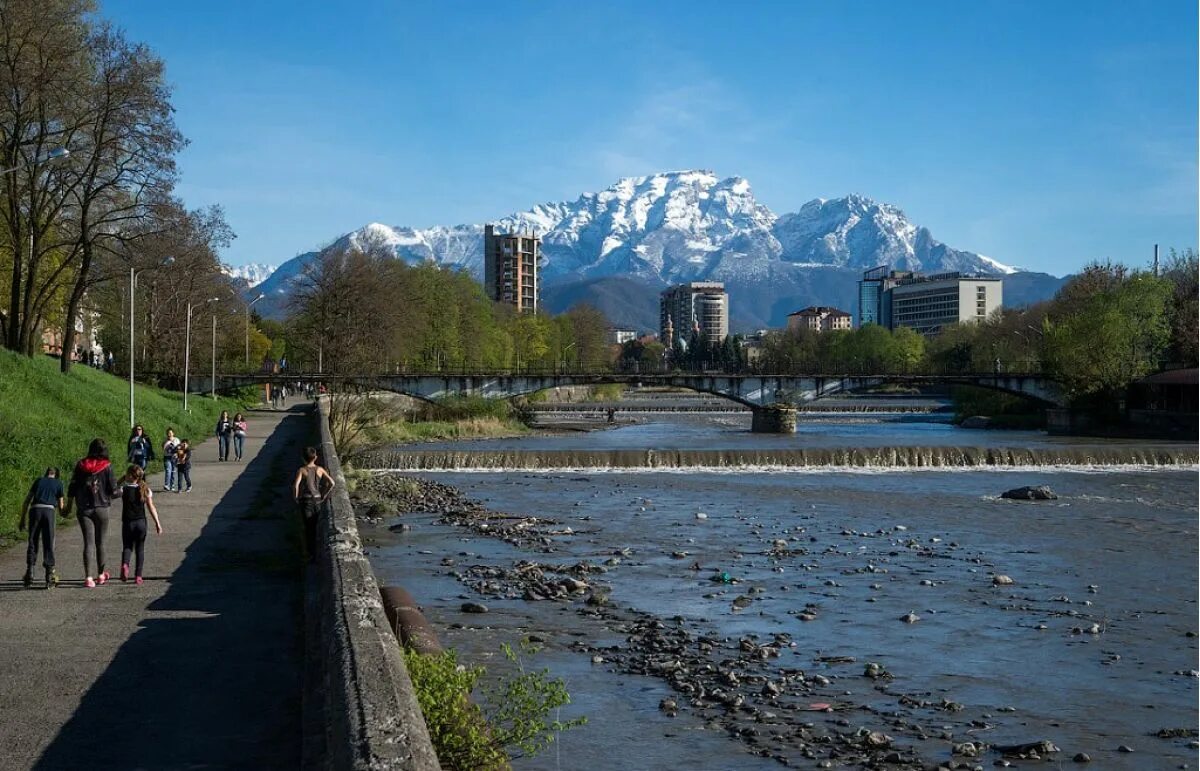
{"x": 202, "y": 665}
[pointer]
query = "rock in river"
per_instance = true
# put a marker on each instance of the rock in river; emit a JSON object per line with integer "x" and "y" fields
{"x": 474, "y": 607}
{"x": 1039, "y": 493}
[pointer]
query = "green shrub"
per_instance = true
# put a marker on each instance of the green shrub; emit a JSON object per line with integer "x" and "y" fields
{"x": 48, "y": 419}
{"x": 512, "y": 722}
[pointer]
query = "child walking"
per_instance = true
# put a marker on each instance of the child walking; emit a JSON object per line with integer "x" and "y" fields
{"x": 183, "y": 466}
{"x": 45, "y": 499}
{"x": 136, "y": 501}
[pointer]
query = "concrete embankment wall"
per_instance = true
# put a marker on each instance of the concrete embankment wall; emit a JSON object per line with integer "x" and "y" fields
{"x": 370, "y": 713}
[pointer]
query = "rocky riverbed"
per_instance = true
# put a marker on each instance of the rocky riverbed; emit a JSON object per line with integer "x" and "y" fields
{"x": 786, "y": 625}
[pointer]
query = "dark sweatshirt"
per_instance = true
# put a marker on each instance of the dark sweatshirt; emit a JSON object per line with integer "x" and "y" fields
{"x": 81, "y": 489}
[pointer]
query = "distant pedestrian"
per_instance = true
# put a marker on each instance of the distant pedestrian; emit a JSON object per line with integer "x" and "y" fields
{"x": 239, "y": 435}
{"x": 183, "y": 467}
{"x": 108, "y": 362}
{"x": 224, "y": 435}
{"x": 92, "y": 489}
{"x": 169, "y": 448}
{"x": 274, "y": 397}
{"x": 45, "y": 499}
{"x": 136, "y": 501}
{"x": 310, "y": 498}
{"x": 141, "y": 449}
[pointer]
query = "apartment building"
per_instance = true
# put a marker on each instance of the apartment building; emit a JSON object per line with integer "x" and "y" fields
{"x": 700, "y": 308}
{"x": 510, "y": 268}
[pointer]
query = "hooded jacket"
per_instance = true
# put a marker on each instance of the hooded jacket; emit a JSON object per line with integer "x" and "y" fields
{"x": 84, "y": 493}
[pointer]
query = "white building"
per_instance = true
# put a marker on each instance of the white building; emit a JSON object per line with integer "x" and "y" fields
{"x": 928, "y": 303}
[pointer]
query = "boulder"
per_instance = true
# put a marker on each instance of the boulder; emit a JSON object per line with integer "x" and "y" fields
{"x": 976, "y": 421}
{"x": 1038, "y": 493}
{"x": 474, "y": 607}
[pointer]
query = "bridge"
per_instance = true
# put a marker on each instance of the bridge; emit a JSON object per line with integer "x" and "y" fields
{"x": 772, "y": 398}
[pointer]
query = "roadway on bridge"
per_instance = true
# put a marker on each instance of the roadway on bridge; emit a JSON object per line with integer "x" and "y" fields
{"x": 200, "y": 667}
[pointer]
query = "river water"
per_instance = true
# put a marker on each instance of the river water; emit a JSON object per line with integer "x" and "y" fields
{"x": 1092, "y": 646}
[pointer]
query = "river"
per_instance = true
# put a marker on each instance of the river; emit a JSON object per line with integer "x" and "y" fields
{"x": 1091, "y": 647}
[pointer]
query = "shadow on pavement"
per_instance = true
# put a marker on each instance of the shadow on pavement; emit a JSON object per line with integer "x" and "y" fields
{"x": 213, "y": 680}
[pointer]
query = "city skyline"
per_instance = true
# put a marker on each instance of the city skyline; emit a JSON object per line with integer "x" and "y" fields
{"x": 1043, "y": 137}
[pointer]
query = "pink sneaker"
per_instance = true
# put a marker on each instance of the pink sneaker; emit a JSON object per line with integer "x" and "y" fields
{"x": 138, "y": 580}
{"x": 90, "y": 583}
{"x": 103, "y": 578}
{"x": 124, "y": 572}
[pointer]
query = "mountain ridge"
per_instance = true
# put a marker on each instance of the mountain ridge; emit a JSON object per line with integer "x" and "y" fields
{"x": 680, "y": 226}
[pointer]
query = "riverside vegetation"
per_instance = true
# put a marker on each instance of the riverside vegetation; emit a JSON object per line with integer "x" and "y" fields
{"x": 47, "y": 419}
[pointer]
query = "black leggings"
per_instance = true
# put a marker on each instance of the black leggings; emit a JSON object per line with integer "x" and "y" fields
{"x": 94, "y": 524}
{"x": 133, "y": 538}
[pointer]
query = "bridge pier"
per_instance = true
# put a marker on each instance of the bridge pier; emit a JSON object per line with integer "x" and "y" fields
{"x": 776, "y": 419}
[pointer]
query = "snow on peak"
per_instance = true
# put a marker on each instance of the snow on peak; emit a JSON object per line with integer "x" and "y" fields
{"x": 252, "y": 273}
{"x": 689, "y": 225}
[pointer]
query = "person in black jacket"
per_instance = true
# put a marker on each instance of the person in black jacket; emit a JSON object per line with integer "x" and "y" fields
{"x": 92, "y": 489}
{"x": 224, "y": 435}
{"x": 141, "y": 449}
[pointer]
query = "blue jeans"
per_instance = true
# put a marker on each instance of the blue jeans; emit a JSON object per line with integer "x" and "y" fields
{"x": 169, "y": 469}
{"x": 222, "y": 446}
{"x": 239, "y": 443}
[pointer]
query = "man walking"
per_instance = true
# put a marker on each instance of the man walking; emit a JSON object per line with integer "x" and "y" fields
{"x": 306, "y": 489}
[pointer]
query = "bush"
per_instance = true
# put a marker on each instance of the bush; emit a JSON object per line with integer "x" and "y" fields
{"x": 512, "y": 722}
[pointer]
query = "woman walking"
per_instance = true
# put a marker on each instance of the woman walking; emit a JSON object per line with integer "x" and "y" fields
{"x": 45, "y": 499}
{"x": 136, "y": 501}
{"x": 169, "y": 448}
{"x": 141, "y": 450}
{"x": 183, "y": 466}
{"x": 224, "y": 434}
{"x": 239, "y": 435}
{"x": 92, "y": 489}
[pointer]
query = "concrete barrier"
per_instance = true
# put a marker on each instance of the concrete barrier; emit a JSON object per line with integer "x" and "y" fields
{"x": 371, "y": 716}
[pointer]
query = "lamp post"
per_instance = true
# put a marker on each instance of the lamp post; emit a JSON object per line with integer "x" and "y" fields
{"x": 133, "y": 274}
{"x": 562, "y": 362}
{"x": 187, "y": 349}
{"x": 213, "y": 382}
{"x": 250, "y": 305}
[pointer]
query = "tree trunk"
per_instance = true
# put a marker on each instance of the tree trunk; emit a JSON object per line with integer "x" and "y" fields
{"x": 77, "y": 292}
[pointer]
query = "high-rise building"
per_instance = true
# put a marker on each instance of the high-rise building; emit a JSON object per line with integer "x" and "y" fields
{"x": 819, "y": 318}
{"x": 699, "y": 309}
{"x": 873, "y": 297}
{"x": 510, "y": 266}
{"x": 926, "y": 303}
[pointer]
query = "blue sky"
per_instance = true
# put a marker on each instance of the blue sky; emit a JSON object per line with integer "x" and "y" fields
{"x": 1043, "y": 134}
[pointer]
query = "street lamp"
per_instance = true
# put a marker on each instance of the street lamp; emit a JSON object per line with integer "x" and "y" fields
{"x": 250, "y": 305}
{"x": 213, "y": 382}
{"x": 562, "y": 362}
{"x": 53, "y": 155}
{"x": 187, "y": 348}
{"x": 133, "y": 274}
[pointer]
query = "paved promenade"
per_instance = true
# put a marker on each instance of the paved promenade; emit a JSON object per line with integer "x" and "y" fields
{"x": 201, "y": 666}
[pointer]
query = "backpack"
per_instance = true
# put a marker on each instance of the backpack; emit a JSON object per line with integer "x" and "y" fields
{"x": 92, "y": 487}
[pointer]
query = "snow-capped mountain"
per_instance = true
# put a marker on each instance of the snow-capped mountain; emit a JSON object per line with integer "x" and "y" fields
{"x": 253, "y": 274}
{"x": 681, "y": 226}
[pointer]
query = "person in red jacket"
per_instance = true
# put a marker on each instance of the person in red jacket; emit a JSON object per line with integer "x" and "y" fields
{"x": 92, "y": 488}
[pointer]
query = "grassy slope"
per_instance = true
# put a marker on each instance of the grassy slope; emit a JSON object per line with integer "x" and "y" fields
{"x": 48, "y": 419}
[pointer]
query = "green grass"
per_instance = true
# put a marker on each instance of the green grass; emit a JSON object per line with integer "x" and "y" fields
{"x": 399, "y": 432}
{"x": 48, "y": 419}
